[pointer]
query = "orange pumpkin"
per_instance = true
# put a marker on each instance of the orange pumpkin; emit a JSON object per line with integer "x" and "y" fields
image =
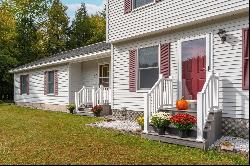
{"x": 182, "y": 104}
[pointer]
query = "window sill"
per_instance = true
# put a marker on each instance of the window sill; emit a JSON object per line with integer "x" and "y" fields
{"x": 50, "y": 94}
{"x": 142, "y": 7}
{"x": 143, "y": 91}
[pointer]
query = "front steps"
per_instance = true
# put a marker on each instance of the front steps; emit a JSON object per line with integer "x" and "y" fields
{"x": 212, "y": 130}
{"x": 173, "y": 139}
{"x": 85, "y": 112}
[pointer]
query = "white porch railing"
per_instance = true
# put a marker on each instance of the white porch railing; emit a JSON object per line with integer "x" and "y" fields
{"x": 207, "y": 101}
{"x": 91, "y": 96}
{"x": 102, "y": 96}
{"x": 160, "y": 95}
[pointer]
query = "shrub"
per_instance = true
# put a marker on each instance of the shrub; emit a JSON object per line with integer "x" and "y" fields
{"x": 183, "y": 121}
{"x": 160, "y": 120}
{"x": 71, "y": 108}
{"x": 140, "y": 120}
{"x": 97, "y": 109}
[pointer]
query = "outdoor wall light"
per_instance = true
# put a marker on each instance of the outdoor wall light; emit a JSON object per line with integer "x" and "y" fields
{"x": 223, "y": 35}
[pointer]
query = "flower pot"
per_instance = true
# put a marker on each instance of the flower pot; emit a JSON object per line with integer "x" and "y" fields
{"x": 184, "y": 133}
{"x": 161, "y": 131}
{"x": 168, "y": 130}
{"x": 98, "y": 114}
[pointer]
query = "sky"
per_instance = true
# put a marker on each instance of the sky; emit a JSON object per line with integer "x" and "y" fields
{"x": 92, "y": 6}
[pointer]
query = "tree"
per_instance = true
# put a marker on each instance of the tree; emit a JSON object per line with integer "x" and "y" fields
{"x": 57, "y": 27}
{"x": 98, "y": 29}
{"x": 80, "y": 30}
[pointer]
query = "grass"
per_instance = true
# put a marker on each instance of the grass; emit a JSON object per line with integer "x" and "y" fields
{"x": 30, "y": 136}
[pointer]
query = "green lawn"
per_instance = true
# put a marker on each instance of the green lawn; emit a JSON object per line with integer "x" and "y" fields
{"x": 39, "y": 137}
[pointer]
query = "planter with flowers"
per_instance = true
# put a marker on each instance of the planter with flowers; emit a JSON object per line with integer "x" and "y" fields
{"x": 184, "y": 123}
{"x": 97, "y": 110}
{"x": 160, "y": 122}
{"x": 140, "y": 121}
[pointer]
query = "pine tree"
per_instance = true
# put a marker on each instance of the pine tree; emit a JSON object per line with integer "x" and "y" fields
{"x": 80, "y": 31}
{"x": 57, "y": 27}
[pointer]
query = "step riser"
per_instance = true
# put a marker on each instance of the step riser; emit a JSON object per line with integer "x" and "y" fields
{"x": 174, "y": 131}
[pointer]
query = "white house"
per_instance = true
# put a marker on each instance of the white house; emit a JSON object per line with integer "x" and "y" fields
{"x": 159, "y": 51}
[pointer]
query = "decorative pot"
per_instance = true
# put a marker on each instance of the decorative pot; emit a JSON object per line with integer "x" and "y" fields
{"x": 98, "y": 114}
{"x": 184, "y": 133}
{"x": 161, "y": 131}
{"x": 168, "y": 130}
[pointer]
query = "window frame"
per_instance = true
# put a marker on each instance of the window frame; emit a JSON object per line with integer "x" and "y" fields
{"x": 99, "y": 69}
{"x": 22, "y": 83}
{"x": 143, "y": 90}
{"x": 143, "y": 6}
{"x": 48, "y": 83}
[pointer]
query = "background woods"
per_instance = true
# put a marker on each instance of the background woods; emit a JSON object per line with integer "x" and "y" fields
{"x": 35, "y": 29}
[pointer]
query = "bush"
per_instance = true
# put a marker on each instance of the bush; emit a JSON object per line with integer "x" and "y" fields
{"x": 160, "y": 120}
{"x": 184, "y": 121}
{"x": 97, "y": 109}
{"x": 140, "y": 120}
{"x": 71, "y": 108}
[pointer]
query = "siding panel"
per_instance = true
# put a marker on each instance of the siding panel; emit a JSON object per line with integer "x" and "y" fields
{"x": 172, "y": 13}
{"x": 36, "y": 87}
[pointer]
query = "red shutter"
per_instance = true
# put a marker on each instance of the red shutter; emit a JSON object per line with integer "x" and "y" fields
{"x": 28, "y": 85}
{"x": 132, "y": 70}
{"x": 20, "y": 85}
{"x": 45, "y": 83}
{"x": 127, "y": 6}
{"x": 165, "y": 60}
{"x": 245, "y": 67}
{"x": 56, "y": 82}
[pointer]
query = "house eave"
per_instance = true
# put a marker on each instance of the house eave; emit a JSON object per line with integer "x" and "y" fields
{"x": 80, "y": 58}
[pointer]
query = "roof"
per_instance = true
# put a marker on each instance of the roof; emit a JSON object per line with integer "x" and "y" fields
{"x": 90, "y": 49}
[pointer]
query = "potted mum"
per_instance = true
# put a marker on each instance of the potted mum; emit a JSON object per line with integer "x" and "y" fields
{"x": 184, "y": 123}
{"x": 97, "y": 110}
{"x": 140, "y": 121}
{"x": 160, "y": 121}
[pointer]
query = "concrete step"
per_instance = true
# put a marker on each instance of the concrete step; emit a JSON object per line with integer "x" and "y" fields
{"x": 172, "y": 130}
{"x": 173, "y": 139}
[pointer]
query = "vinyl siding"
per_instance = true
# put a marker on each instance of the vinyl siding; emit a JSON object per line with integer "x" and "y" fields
{"x": 227, "y": 60}
{"x": 36, "y": 87}
{"x": 164, "y": 15}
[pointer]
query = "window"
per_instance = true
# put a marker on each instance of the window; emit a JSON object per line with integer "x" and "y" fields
{"x": 24, "y": 84}
{"x": 51, "y": 83}
{"x": 139, "y": 3}
{"x": 104, "y": 75}
{"x": 148, "y": 70}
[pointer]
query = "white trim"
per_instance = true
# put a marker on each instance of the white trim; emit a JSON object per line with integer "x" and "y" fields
{"x": 209, "y": 57}
{"x": 80, "y": 58}
{"x": 142, "y": 7}
{"x": 112, "y": 76}
{"x": 107, "y": 21}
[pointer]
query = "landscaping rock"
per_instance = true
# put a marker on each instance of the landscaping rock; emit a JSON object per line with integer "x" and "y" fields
{"x": 121, "y": 125}
{"x": 240, "y": 145}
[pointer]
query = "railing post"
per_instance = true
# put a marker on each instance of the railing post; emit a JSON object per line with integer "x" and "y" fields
{"x": 101, "y": 94}
{"x": 93, "y": 97}
{"x": 171, "y": 91}
{"x": 76, "y": 101}
{"x": 200, "y": 117}
{"x": 161, "y": 90}
{"x": 146, "y": 113}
